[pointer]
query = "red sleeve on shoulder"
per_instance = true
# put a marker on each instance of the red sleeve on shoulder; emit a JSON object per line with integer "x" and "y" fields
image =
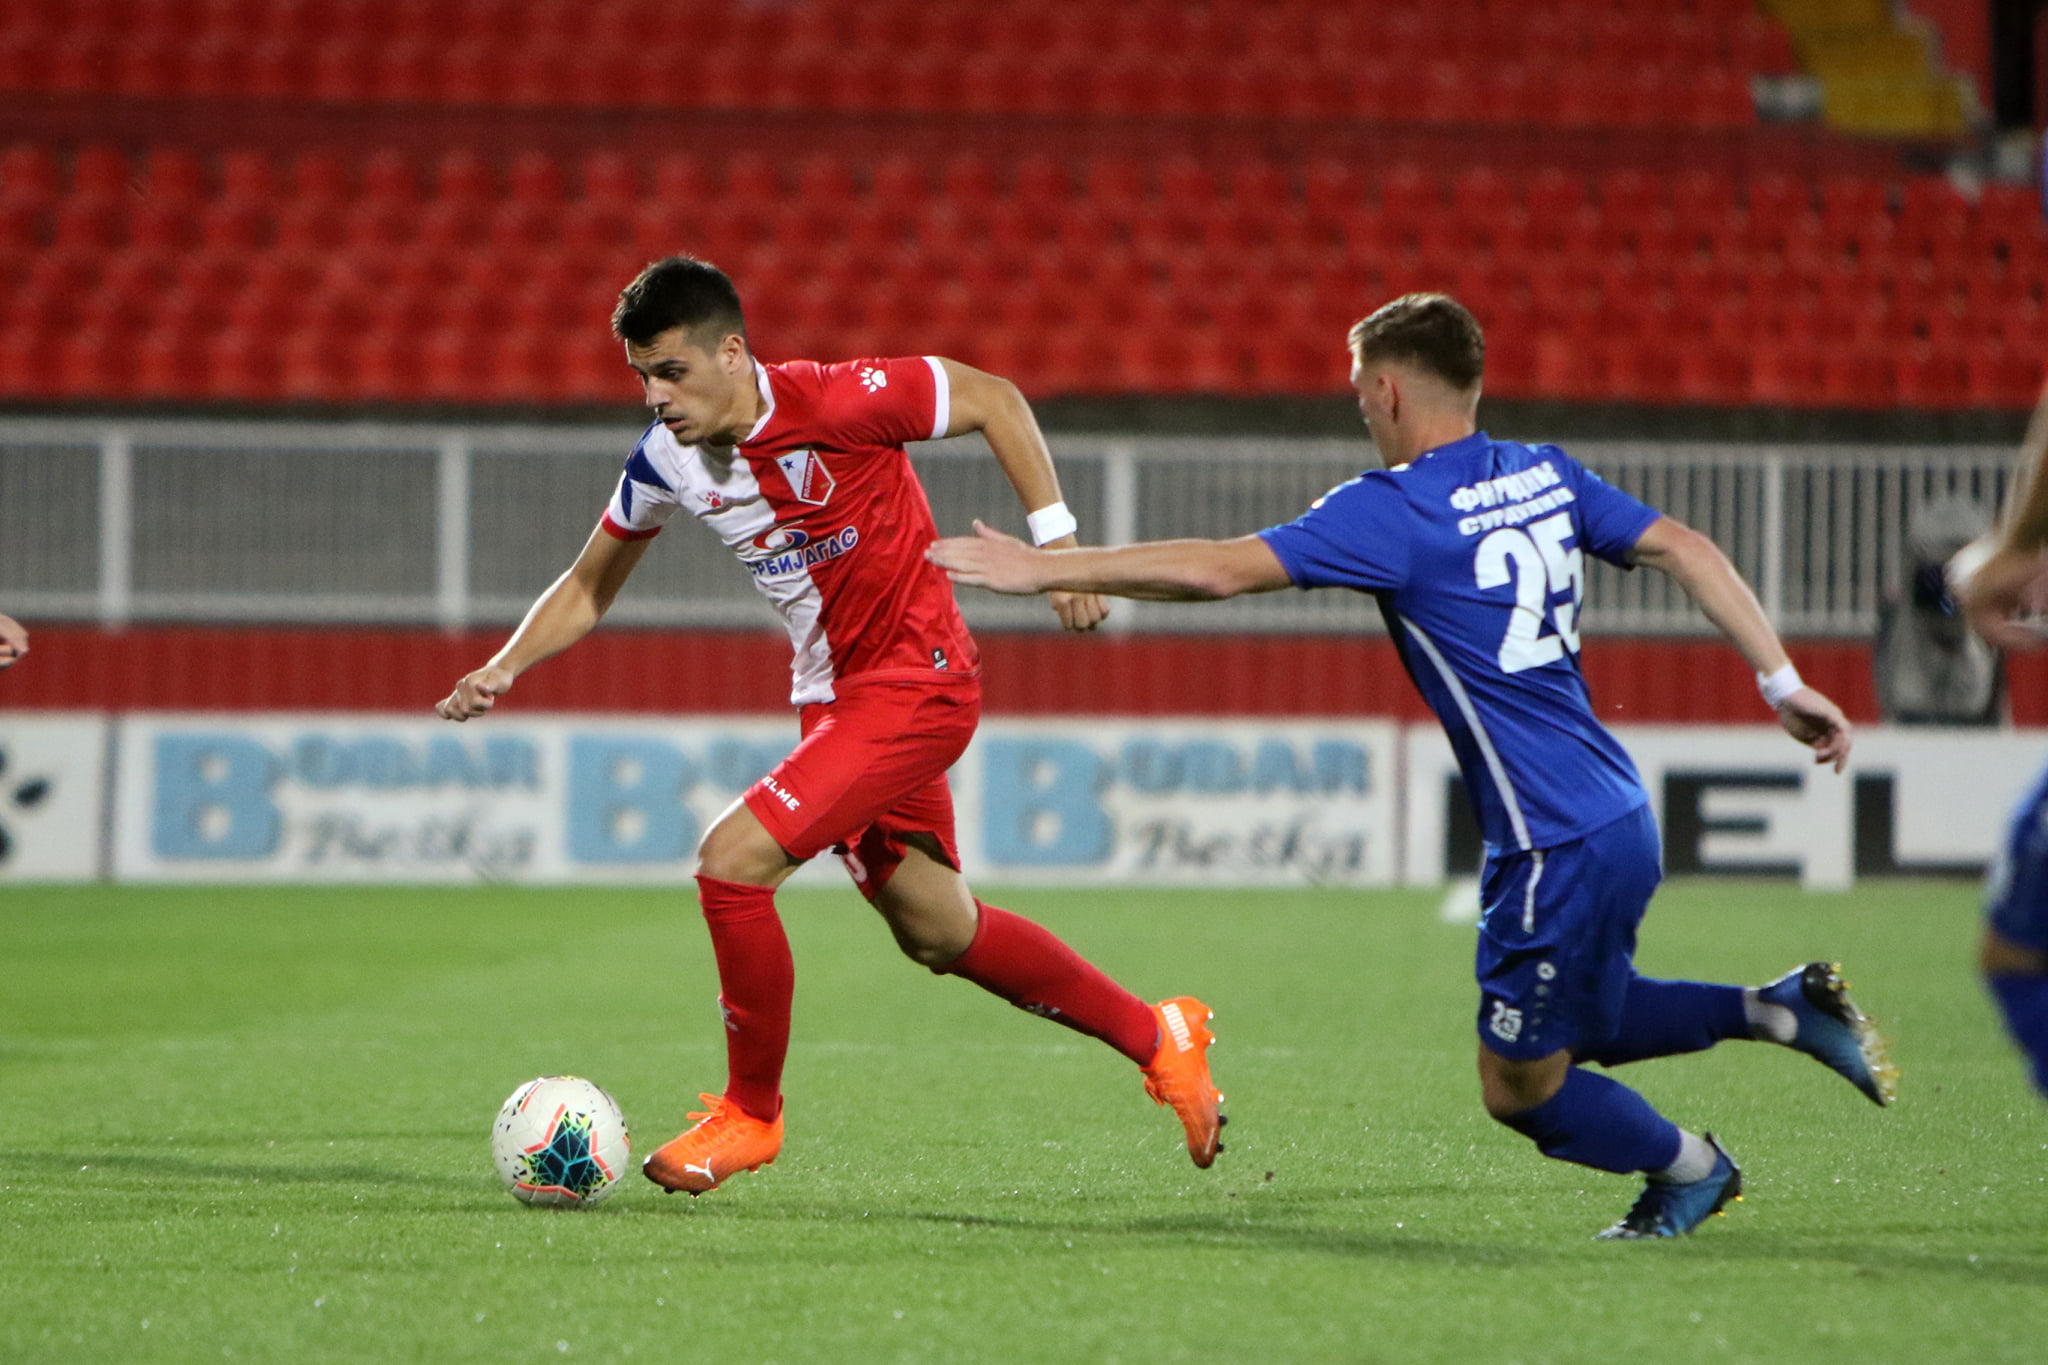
{"x": 618, "y": 532}
{"x": 881, "y": 402}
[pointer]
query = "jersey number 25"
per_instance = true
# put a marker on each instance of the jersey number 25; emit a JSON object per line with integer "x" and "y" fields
{"x": 1540, "y": 565}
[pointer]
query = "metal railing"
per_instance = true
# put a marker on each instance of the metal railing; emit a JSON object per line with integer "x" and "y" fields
{"x": 131, "y": 520}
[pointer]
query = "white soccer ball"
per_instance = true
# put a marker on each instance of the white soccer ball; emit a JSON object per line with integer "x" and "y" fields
{"x": 560, "y": 1140}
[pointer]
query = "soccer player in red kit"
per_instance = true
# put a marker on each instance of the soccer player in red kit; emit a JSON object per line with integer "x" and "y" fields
{"x": 800, "y": 469}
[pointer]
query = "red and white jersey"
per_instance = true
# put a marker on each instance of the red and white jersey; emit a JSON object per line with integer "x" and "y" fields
{"x": 821, "y": 505}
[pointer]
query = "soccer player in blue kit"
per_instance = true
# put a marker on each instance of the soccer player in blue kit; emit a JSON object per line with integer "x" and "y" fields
{"x": 1474, "y": 548}
{"x": 2004, "y": 597}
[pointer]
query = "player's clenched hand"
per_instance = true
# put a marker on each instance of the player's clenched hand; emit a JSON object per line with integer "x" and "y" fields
{"x": 1817, "y": 723}
{"x": 475, "y": 694}
{"x": 13, "y": 640}
{"x": 1080, "y": 610}
{"x": 990, "y": 559}
{"x": 1997, "y": 594}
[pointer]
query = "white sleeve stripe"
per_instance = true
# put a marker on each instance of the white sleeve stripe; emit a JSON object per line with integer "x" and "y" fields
{"x": 942, "y": 403}
{"x": 1485, "y": 741}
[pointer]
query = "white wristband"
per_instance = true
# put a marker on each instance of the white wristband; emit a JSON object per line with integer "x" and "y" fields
{"x": 1050, "y": 523}
{"x": 1776, "y": 687}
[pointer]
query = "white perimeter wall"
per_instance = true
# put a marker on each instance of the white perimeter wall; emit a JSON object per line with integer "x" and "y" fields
{"x": 281, "y": 797}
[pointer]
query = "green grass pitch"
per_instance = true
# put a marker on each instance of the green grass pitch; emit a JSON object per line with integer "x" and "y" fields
{"x": 251, "y": 1124}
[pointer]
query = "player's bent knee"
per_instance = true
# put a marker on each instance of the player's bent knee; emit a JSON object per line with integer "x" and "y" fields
{"x": 738, "y": 848}
{"x": 1508, "y": 1087}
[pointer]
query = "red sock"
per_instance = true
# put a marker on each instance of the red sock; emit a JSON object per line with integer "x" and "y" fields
{"x": 1029, "y": 967}
{"x": 756, "y": 980}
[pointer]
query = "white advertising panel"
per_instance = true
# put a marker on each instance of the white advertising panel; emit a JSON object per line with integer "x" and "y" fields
{"x": 314, "y": 798}
{"x": 53, "y": 772}
{"x": 1746, "y": 800}
{"x": 1216, "y": 803}
{"x": 320, "y": 798}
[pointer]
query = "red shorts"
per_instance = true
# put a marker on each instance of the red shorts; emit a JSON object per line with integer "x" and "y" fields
{"x": 870, "y": 769}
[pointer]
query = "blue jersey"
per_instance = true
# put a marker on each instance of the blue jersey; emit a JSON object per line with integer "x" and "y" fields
{"x": 1475, "y": 554}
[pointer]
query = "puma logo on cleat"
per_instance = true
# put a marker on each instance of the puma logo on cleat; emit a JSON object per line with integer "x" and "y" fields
{"x": 705, "y": 1168}
{"x": 1177, "y": 1025}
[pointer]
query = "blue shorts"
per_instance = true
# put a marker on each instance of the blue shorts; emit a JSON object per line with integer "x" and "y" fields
{"x": 1557, "y": 937}
{"x": 2016, "y": 891}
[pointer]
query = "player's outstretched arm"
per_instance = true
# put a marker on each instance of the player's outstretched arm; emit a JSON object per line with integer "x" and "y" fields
{"x": 559, "y": 617}
{"x": 1712, "y": 582}
{"x": 13, "y": 640}
{"x": 2012, "y": 580}
{"x": 1154, "y": 571}
{"x": 994, "y": 407}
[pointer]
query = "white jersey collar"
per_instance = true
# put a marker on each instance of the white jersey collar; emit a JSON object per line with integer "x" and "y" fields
{"x": 767, "y": 402}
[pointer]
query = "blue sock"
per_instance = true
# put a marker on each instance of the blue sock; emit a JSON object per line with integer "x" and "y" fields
{"x": 1665, "y": 1018}
{"x": 1601, "y": 1123}
{"x": 2024, "y": 998}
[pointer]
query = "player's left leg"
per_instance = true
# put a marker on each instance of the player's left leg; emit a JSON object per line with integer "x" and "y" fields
{"x": 1555, "y": 941}
{"x": 912, "y": 878}
{"x": 1576, "y": 1115}
{"x": 1808, "y": 1009}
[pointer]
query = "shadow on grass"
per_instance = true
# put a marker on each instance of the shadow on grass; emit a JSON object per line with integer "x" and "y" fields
{"x": 1273, "y": 1232}
{"x": 167, "y": 1167}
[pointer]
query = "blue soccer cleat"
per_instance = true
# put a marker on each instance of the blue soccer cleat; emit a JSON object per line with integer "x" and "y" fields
{"x": 1665, "y": 1209}
{"x": 1831, "y": 1029}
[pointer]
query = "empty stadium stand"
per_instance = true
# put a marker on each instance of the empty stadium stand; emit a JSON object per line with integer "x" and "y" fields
{"x": 250, "y": 272}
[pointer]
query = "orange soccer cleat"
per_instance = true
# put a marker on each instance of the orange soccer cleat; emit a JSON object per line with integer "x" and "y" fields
{"x": 726, "y": 1141}
{"x": 1179, "y": 1074}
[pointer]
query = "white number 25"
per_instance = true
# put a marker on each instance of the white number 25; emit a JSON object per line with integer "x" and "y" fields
{"x": 1539, "y": 564}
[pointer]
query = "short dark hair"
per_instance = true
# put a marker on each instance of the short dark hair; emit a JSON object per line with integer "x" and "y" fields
{"x": 679, "y": 291}
{"x": 1433, "y": 331}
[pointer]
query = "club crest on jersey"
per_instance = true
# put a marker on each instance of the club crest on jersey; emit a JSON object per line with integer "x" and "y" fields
{"x": 808, "y": 478}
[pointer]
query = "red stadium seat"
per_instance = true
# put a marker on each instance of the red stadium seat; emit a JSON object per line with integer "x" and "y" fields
{"x": 1187, "y": 182}
{"x": 1333, "y": 192}
{"x": 311, "y": 225}
{"x": 1776, "y": 199}
{"x": 173, "y": 175}
{"x": 824, "y": 181}
{"x": 454, "y": 224}
{"x": 28, "y": 175}
{"x": 521, "y": 228}
{"x": 99, "y": 172}
{"x": 1999, "y": 376}
{"x": 611, "y": 179}
{"x": 1930, "y": 377}
{"x": 1710, "y": 372}
{"x": 320, "y": 177}
{"x": 164, "y": 225}
{"x": 1855, "y": 376}
{"x": 1786, "y": 374}
{"x": 248, "y": 177}
{"x": 1115, "y": 181}
{"x": 168, "y": 364}
{"x": 463, "y": 177}
{"x": 389, "y": 178}
{"x": 969, "y": 180}
{"x": 21, "y": 228}
{"x": 241, "y": 365}
{"x": 751, "y": 179}
{"x": 1041, "y": 182}
{"x": 88, "y": 225}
